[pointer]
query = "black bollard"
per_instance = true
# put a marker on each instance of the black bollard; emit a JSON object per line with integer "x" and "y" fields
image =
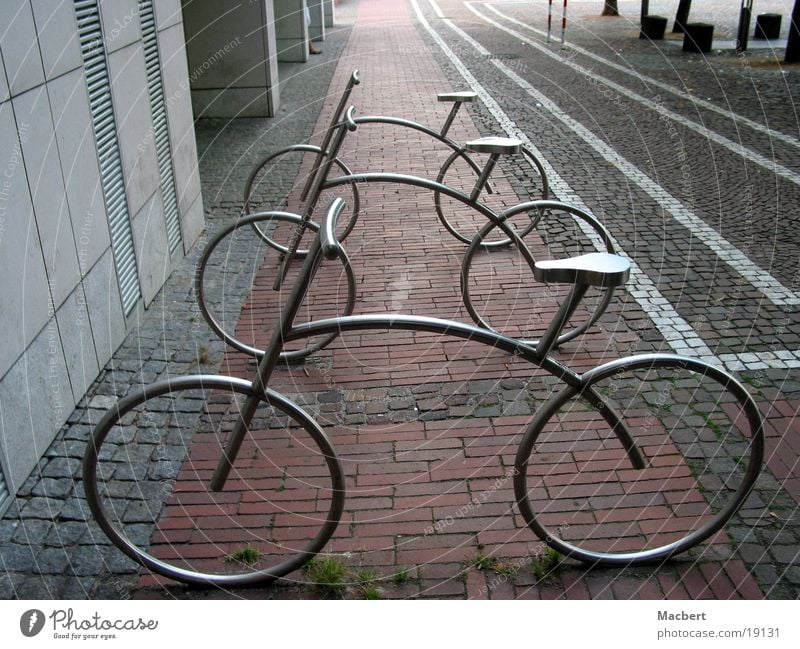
{"x": 768, "y": 26}
{"x": 653, "y": 27}
{"x": 697, "y": 37}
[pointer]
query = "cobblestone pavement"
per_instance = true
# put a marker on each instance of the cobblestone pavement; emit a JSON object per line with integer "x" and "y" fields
{"x": 428, "y": 429}
{"x": 49, "y": 547}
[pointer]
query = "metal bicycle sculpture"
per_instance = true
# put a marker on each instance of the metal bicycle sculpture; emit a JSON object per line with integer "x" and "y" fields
{"x": 314, "y": 180}
{"x": 662, "y": 475}
{"x": 541, "y": 213}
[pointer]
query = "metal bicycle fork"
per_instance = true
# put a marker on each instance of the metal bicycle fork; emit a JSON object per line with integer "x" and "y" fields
{"x": 272, "y": 353}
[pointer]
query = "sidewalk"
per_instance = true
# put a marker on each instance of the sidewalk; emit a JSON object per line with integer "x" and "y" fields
{"x": 426, "y": 428}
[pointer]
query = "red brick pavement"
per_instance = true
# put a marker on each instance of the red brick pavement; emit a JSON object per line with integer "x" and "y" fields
{"x": 782, "y": 456}
{"x": 430, "y": 504}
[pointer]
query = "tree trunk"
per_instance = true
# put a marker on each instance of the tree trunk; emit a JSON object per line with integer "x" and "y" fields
{"x": 793, "y": 44}
{"x": 682, "y": 16}
{"x": 610, "y": 8}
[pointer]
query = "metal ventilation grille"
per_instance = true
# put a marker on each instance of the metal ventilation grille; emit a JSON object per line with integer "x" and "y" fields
{"x": 3, "y": 489}
{"x": 155, "y": 87}
{"x": 105, "y": 133}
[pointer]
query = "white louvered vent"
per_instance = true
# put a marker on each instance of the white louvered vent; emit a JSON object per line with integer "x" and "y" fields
{"x": 105, "y": 132}
{"x": 3, "y": 489}
{"x": 155, "y": 87}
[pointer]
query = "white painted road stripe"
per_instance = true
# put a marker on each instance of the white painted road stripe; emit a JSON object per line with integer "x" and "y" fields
{"x": 650, "y": 81}
{"x": 680, "y": 336}
{"x": 739, "y": 262}
{"x": 781, "y": 359}
{"x": 736, "y": 147}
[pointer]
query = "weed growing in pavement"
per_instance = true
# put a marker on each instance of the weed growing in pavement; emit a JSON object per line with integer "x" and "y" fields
{"x": 203, "y": 357}
{"x": 366, "y": 577}
{"x": 401, "y": 577}
{"x": 493, "y": 564}
{"x": 247, "y": 556}
{"x": 715, "y": 428}
{"x": 327, "y": 573}
{"x": 365, "y": 582}
{"x": 543, "y": 565}
{"x": 371, "y": 592}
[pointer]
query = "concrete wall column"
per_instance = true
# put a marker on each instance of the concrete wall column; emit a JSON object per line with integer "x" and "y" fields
{"x": 330, "y": 12}
{"x": 291, "y": 31}
{"x": 316, "y": 30}
{"x": 231, "y": 48}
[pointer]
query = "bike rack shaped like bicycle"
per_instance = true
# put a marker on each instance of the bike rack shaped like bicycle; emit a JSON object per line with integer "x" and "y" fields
{"x": 542, "y": 214}
{"x": 314, "y": 182}
{"x": 618, "y": 467}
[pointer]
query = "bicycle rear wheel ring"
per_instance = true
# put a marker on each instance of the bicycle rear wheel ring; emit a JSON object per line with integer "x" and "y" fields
{"x": 461, "y": 153}
{"x": 476, "y": 245}
{"x": 355, "y": 203}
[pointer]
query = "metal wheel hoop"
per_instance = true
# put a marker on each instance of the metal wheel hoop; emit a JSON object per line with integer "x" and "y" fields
{"x": 240, "y": 386}
{"x": 476, "y": 244}
{"x": 302, "y": 148}
{"x": 551, "y": 407}
{"x": 216, "y": 326}
{"x": 449, "y": 226}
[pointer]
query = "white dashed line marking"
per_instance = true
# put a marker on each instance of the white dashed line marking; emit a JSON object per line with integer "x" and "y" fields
{"x": 739, "y": 262}
{"x": 678, "y": 333}
{"x": 650, "y": 81}
{"x": 681, "y": 336}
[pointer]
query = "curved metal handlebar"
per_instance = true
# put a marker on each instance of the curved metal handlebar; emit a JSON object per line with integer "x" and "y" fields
{"x": 354, "y": 80}
{"x": 327, "y": 232}
{"x": 350, "y": 120}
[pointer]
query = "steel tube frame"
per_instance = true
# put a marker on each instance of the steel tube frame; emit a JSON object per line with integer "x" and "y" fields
{"x": 273, "y": 351}
{"x": 326, "y": 141}
{"x": 210, "y": 382}
{"x": 326, "y": 244}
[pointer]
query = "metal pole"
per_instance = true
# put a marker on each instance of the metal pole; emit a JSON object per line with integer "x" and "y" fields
{"x": 563, "y": 21}
{"x": 549, "y": 19}
{"x": 645, "y": 10}
{"x": 745, "y": 14}
{"x": 682, "y": 16}
{"x": 793, "y": 44}
{"x": 487, "y": 170}
{"x": 450, "y": 117}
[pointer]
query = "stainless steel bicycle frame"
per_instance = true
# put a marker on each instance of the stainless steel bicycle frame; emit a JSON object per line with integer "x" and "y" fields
{"x": 326, "y": 244}
{"x": 329, "y": 151}
{"x": 354, "y": 80}
{"x": 322, "y": 182}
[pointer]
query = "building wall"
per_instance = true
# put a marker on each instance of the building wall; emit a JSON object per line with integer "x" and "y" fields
{"x": 234, "y": 50}
{"x": 62, "y": 316}
{"x": 291, "y": 31}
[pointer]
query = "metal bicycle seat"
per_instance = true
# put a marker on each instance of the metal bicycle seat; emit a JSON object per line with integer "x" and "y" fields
{"x": 497, "y": 145}
{"x": 458, "y": 97}
{"x": 593, "y": 269}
